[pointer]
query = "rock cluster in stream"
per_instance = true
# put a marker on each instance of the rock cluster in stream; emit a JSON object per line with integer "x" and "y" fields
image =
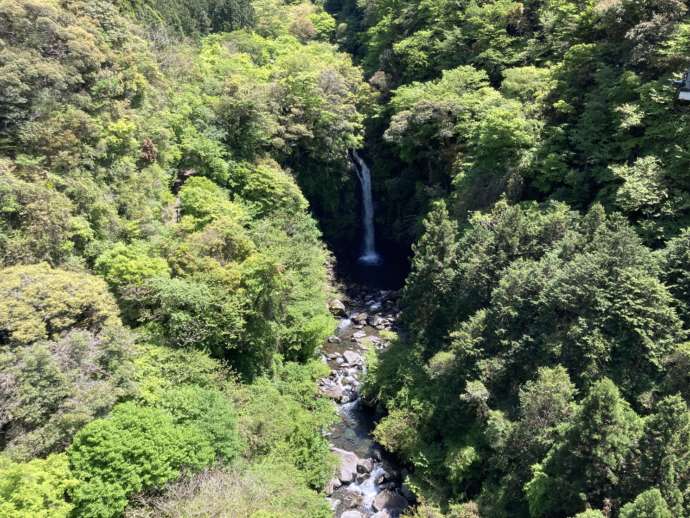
{"x": 363, "y": 486}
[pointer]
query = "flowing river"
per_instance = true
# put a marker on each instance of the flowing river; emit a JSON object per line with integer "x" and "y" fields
{"x": 367, "y": 482}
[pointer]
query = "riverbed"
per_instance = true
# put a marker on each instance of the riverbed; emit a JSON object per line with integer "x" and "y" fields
{"x": 367, "y": 482}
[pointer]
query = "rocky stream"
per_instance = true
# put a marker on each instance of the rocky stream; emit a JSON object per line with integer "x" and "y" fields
{"x": 367, "y": 481}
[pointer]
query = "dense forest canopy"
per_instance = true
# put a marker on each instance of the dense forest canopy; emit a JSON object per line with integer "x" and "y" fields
{"x": 170, "y": 172}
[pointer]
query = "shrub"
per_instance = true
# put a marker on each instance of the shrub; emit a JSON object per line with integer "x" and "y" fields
{"x": 35, "y": 489}
{"x": 38, "y": 302}
{"x": 65, "y": 357}
{"x": 133, "y": 449}
{"x": 265, "y": 489}
{"x": 210, "y": 412}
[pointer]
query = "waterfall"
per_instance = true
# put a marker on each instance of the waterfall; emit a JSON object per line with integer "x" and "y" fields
{"x": 369, "y": 254}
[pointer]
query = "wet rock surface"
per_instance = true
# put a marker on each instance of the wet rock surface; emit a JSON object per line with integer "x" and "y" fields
{"x": 366, "y": 483}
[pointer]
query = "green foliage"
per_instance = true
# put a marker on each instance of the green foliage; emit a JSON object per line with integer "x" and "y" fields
{"x": 169, "y": 167}
{"x": 38, "y": 223}
{"x": 190, "y": 19}
{"x": 270, "y": 188}
{"x": 591, "y": 459}
{"x": 647, "y": 505}
{"x": 264, "y": 489}
{"x": 585, "y": 113}
{"x": 38, "y": 303}
{"x": 283, "y": 420}
{"x": 126, "y": 265}
{"x": 36, "y": 488}
{"x": 159, "y": 369}
{"x": 675, "y": 260}
{"x": 662, "y": 461}
{"x": 64, "y": 355}
{"x": 528, "y": 344}
{"x": 542, "y": 368}
{"x": 209, "y": 411}
{"x": 109, "y": 128}
{"x": 589, "y": 514}
{"x": 144, "y": 448}
{"x": 433, "y": 269}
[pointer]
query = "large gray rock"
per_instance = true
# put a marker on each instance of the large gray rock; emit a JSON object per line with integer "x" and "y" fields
{"x": 365, "y": 465}
{"x": 338, "y": 308}
{"x": 352, "y": 514}
{"x": 385, "y": 514}
{"x": 332, "y": 485}
{"x": 347, "y": 469}
{"x": 352, "y": 357}
{"x": 374, "y": 305}
{"x": 352, "y": 499}
{"x": 333, "y": 391}
{"x": 407, "y": 493}
{"x": 387, "y": 499}
{"x": 360, "y": 318}
{"x": 375, "y": 320}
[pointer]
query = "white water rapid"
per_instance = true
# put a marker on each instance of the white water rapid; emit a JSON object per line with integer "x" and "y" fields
{"x": 369, "y": 254}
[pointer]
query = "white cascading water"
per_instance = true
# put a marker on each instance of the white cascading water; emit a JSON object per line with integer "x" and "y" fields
{"x": 369, "y": 254}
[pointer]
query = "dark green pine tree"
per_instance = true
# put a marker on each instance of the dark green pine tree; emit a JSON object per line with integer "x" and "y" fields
{"x": 664, "y": 460}
{"x": 586, "y": 468}
{"x": 426, "y": 297}
{"x": 649, "y": 504}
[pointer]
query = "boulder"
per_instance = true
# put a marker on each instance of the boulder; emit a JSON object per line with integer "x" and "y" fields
{"x": 352, "y": 514}
{"x": 365, "y": 465}
{"x": 347, "y": 470}
{"x": 332, "y": 485}
{"x": 332, "y": 391}
{"x": 387, "y": 499}
{"x": 359, "y": 335}
{"x": 375, "y": 320}
{"x": 352, "y": 357}
{"x": 352, "y": 499}
{"x": 338, "y": 308}
{"x": 360, "y": 318}
{"x": 384, "y": 514}
{"x": 334, "y": 340}
{"x": 407, "y": 493}
{"x": 350, "y": 380}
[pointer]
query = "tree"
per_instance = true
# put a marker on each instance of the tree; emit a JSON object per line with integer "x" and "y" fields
{"x": 38, "y": 302}
{"x": 663, "y": 458}
{"x": 589, "y": 464}
{"x": 649, "y": 504}
{"x": 427, "y": 289}
{"x": 675, "y": 259}
{"x": 209, "y": 411}
{"x": 65, "y": 357}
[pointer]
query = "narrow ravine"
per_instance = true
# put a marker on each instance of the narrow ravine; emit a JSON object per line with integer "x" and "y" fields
{"x": 367, "y": 482}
